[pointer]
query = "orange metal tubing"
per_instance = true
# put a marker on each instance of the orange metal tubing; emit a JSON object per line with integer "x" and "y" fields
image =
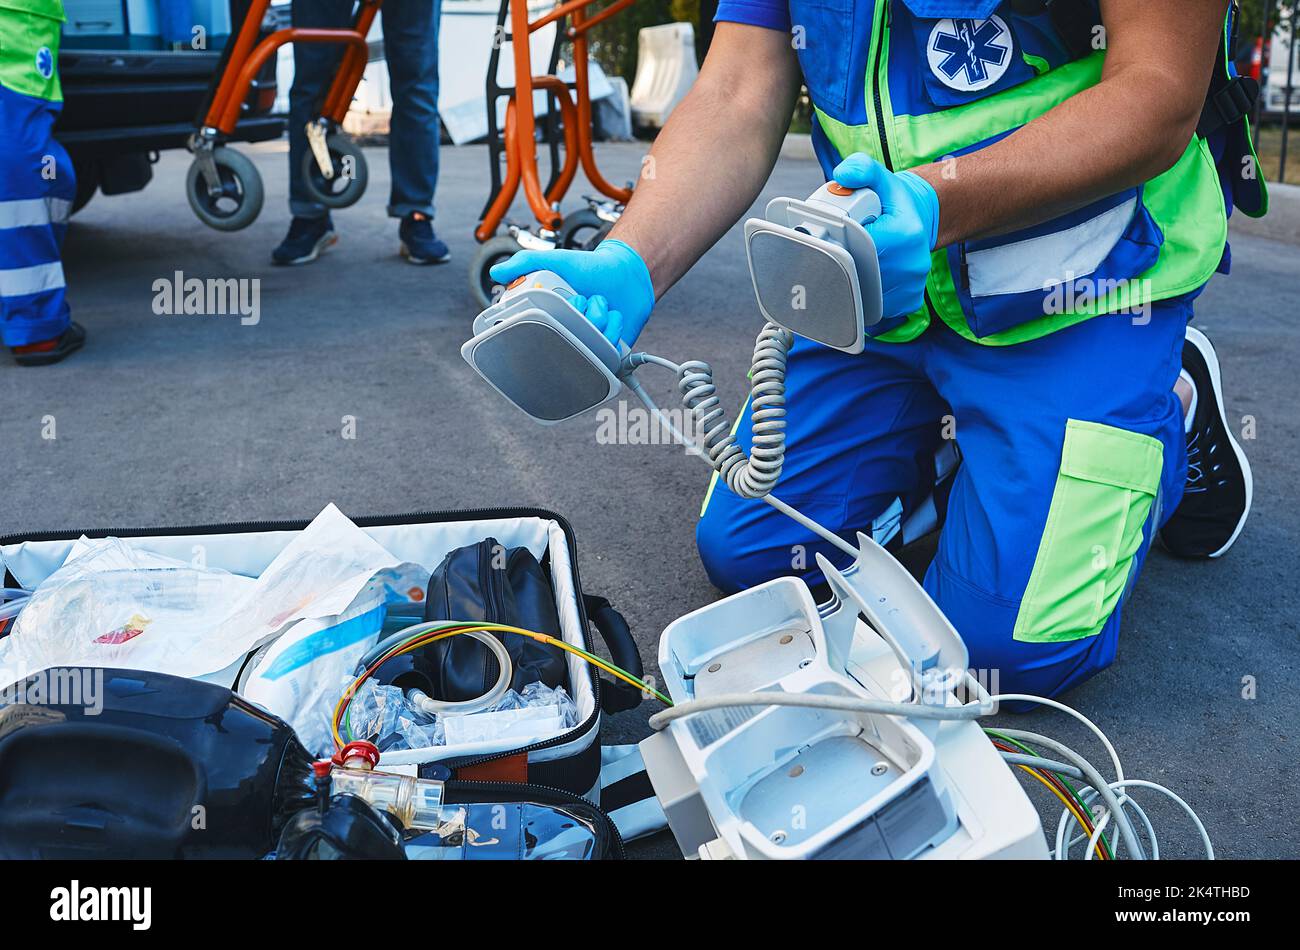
{"x": 578, "y": 29}
{"x": 352, "y": 66}
{"x": 509, "y": 185}
{"x": 521, "y": 124}
{"x": 244, "y": 41}
{"x": 584, "y": 114}
{"x": 262, "y": 52}
{"x": 525, "y": 124}
{"x": 572, "y": 134}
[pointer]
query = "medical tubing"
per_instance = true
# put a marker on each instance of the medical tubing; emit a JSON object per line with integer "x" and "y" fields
{"x": 434, "y": 707}
{"x": 1095, "y": 779}
{"x": 12, "y": 601}
{"x": 661, "y": 719}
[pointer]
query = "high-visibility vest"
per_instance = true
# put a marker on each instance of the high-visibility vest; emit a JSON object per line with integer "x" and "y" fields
{"x": 29, "y": 47}
{"x": 943, "y": 78}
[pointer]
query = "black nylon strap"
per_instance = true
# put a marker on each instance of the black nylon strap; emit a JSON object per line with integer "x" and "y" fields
{"x": 1230, "y": 101}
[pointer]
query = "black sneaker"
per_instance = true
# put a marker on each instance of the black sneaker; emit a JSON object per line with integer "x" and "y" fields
{"x": 51, "y": 351}
{"x": 1216, "y": 500}
{"x": 306, "y": 239}
{"x": 419, "y": 244}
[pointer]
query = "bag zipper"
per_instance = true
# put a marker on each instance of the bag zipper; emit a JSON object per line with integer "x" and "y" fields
{"x": 520, "y": 790}
{"x": 493, "y": 610}
{"x": 419, "y": 517}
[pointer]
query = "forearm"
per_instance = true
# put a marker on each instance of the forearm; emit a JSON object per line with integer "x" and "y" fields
{"x": 715, "y": 153}
{"x": 1124, "y": 131}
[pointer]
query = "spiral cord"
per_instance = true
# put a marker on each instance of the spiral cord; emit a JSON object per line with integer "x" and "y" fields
{"x": 755, "y": 475}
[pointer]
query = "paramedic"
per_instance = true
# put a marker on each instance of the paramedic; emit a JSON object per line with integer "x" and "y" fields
{"x": 1055, "y": 177}
{"x": 37, "y": 186}
{"x": 411, "y": 49}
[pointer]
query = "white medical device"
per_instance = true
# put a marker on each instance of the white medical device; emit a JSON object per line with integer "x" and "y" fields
{"x": 541, "y": 354}
{"x": 842, "y": 730}
{"x": 787, "y": 782}
{"x": 814, "y": 266}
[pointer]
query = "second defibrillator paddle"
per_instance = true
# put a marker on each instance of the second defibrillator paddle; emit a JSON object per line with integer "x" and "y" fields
{"x": 814, "y": 266}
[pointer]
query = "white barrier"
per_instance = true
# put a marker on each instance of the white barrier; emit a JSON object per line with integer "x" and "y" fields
{"x": 665, "y": 71}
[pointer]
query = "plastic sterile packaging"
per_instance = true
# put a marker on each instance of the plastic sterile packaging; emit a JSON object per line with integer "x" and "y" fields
{"x": 113, "y": 605}
{"x": 386, "y": 717}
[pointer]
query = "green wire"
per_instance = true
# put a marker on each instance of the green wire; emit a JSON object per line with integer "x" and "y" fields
{"x": 646, "y": 687}
{"x": 1064, "y": 780}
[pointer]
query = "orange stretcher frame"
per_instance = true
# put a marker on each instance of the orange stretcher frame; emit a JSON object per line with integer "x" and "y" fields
{"x": 521, "y": 123}
{"x": 247, "y": 56}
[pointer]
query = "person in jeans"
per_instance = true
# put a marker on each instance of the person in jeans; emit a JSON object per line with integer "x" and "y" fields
{"x": 411, "y": 49}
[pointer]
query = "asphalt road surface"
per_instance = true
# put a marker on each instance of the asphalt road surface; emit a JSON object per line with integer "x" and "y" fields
{"x": 185, "y": 419}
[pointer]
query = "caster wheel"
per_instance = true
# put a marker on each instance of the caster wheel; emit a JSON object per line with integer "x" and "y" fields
{"x": 351, "y": 174}
{"x": 240, "y": 200}
{"x": 491, "y": 252}
{"x": 582, "y": 230}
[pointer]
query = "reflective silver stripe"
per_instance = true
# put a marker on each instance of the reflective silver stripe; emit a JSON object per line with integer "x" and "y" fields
{"x": 1036, "y": 264}
{"x": 31, "y": 212}
{"x": 21, "y": 281}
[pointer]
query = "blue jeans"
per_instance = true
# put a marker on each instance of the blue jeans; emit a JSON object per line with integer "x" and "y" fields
{"x": 1073, "y": 455}
{"x": 411, "y": 49}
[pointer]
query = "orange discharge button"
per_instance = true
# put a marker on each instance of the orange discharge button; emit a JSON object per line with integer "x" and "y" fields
{"x": 516, "y": 282}
{"x": 836, "y": 188}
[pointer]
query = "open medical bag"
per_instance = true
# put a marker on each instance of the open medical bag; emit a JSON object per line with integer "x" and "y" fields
{"x": 536, "y": 547}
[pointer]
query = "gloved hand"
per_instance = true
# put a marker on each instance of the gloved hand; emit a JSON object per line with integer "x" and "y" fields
{"x": 905, "y": 233}
{"x": 613, "y": 283}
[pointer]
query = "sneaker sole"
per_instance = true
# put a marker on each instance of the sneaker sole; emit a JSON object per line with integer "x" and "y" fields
{"x": 1203, "y": 345}
{"x": 405, "y": 252}
{"x": 51, "y": 357}
{"x": 324, "y": 244}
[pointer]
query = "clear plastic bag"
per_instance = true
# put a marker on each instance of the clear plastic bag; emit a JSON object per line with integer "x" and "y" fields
{"x": 385, "y": 716}
{"x": 114, "y": 605}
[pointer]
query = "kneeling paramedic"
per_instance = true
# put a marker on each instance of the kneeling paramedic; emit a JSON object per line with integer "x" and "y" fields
{"x": 1055, "y": 180}
{"x": 37, "y": 186}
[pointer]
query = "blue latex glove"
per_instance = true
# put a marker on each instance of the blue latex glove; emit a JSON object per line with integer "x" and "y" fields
{"x": 613, "y": 283}
{"x": 905, "y": 233}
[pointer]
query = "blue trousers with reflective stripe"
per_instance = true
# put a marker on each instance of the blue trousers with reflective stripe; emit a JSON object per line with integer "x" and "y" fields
{"x": 37, "y": 186}
{"x": 862, "y": 432}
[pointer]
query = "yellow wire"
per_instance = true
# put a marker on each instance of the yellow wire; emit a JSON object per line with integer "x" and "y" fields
{"x": 589, "y": 657}
{"x": 1073, "y": 808}
{"x": 495, "y": 627}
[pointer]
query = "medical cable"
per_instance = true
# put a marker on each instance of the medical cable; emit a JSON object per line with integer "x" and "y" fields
{"x": 419, "y": 635}
{"x": 749, "y": 476}
{"x": 1057, "y": 787}
{"x": 1187, "y": 809}
{"x": 1010, "y": 745}
{"x": 1095, "y": 779}
{"x": 661, "y": 719}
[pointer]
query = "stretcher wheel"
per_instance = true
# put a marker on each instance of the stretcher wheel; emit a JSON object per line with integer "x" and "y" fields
{"x": 351, "y": 174}
{"x": 582, "y": 230}
{"x": 491, "y": 252}
{"x": 240, "y": 200}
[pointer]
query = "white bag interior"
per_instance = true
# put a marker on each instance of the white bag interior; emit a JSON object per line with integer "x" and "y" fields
{"x": 249, "y": 553}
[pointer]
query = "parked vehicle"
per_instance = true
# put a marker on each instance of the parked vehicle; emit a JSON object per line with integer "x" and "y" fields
{"x": 135, "y": 77}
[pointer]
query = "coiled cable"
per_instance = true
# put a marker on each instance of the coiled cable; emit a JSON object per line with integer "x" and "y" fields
{"x": 755, "y": 475}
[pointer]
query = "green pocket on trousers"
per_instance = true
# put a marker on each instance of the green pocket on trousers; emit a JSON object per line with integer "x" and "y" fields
{"x": 1104, "y": 491}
